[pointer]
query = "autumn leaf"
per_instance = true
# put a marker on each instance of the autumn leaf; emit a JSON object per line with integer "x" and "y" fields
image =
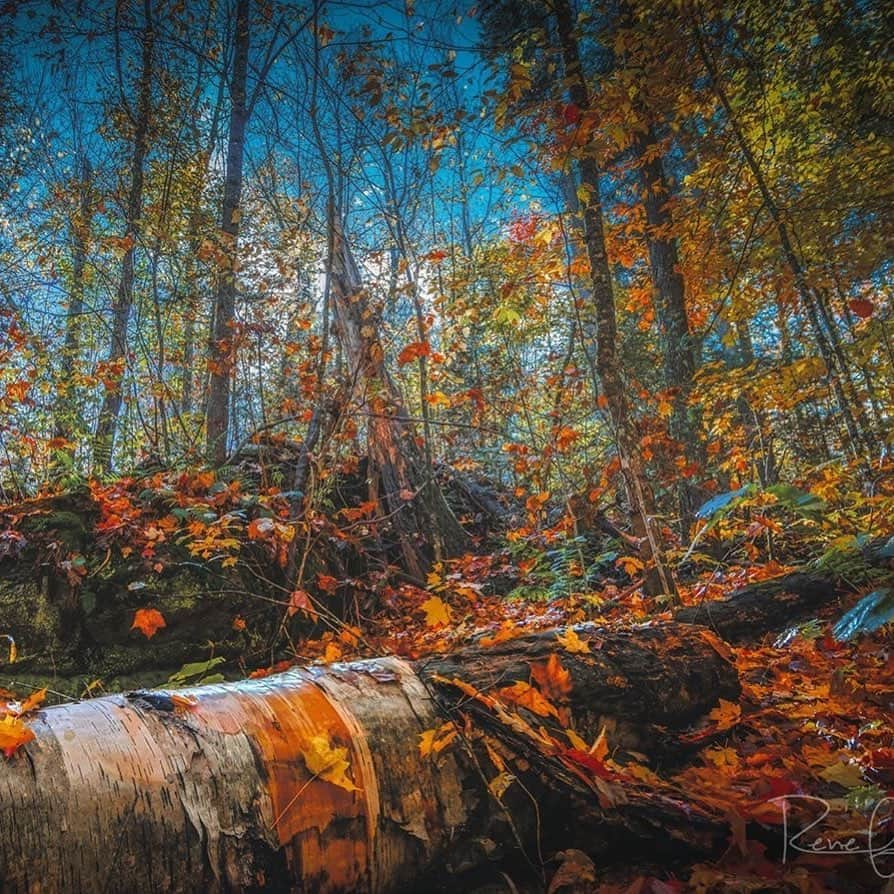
{"x": 434, "y": 741}
{"x": 414, "y": 351}
{"x": 500, "y": 783}
{"x": 33, "y": 701}
{"x": 327, "y": 583}
{"x": 327, "y": 762}
{"x": 437, "y": 612}
{"x": 726, "y": 714}
{"x": 526, "y": 696}
{"x": 861, "y": 307}
{"x": 300, "y": 601}
{"x": 553, "y": 680}
{"x": 148, "y": 621}
{"x": 571, "y": 642}
{"x": 13, "y": 734}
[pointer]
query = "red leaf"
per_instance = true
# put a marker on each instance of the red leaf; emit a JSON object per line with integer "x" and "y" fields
{"x": 571, "y": 113}
{"x": 414, "y": 351}
{"x": 861, "y": 307}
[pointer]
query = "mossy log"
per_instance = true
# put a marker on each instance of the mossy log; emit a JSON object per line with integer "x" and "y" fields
{"x": 752, "y": 611}
{"x": 314, "y": 780}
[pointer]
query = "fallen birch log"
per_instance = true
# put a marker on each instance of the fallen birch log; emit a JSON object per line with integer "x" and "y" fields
{"x": 314, "y": 780}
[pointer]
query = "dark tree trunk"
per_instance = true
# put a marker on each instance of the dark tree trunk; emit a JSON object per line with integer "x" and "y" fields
{"x": 659, "y": 578}
{"x": 104, "y": 439}
{"x": 217, "y": 418}
{"x": 675, "y": 340}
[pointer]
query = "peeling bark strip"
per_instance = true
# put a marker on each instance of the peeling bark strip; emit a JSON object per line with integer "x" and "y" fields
{"x": 219, "y": 788}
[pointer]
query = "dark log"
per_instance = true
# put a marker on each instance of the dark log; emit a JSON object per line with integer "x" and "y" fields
{"x": 779, "y": 602}
{"x": 235, "y": 787}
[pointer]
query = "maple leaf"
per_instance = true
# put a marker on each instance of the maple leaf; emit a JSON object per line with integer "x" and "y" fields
{"x": 148, "y": 621}
{"x": 526, "y": 696}
{"x": 300, "y": 601}
{"x": 553, "y": 680}
{"x": 328, "y": 762}
{"x": 571, "y": 642}
{"x": 33, "y": 701}
{"x": 413, "y": 351}
{"x": 13, "y": 734}
{"x": 434, "y": 741}
{"x": 726, "y": 714}
{"x": 437, "y": 612}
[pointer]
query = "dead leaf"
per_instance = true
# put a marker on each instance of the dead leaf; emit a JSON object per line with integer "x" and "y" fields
{"x": 148, "y": 621}
{"x": 13, "y": 734}
{"x": 437, "y": 612}
{"x": 571, "y": 642}
{"x": 553, "y": 680}
{"x": 327, "y": 762}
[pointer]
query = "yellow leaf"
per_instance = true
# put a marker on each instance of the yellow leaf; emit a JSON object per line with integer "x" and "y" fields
{"x": 437, "y": 612}
{"x": 434, "y": 741}
{"x": 726, "y": 714}
{"x": 846, "y": 775}
{"x": 571, "y": 642}
{"x": 327, "y": 762}
{"x": 499, "y": 784}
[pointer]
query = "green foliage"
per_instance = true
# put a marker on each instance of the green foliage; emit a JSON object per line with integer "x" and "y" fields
{"x": 197, "y": 673}
{"x": 872, "y": 612}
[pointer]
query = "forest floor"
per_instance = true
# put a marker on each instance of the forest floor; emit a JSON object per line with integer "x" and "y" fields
{"x": 812, "y": 735}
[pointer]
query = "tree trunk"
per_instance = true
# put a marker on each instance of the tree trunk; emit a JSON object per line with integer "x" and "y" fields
{"x": 315, "y": 780}
{"x": 659, "y": 579}
{"x": 675, "y": 340}
{"x": 66, "y": 415}
{"x": 406, "y": 494}
{"x": 217, "y": 419}
{"x": 104, "y": 438}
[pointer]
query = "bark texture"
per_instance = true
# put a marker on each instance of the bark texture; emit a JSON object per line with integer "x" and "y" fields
{"x": 217, "y": 421}
{"x": 213, "y": 789}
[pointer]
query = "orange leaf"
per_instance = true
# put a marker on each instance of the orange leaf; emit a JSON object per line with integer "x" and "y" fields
{"x": 414, "y": 351}
{"x": 148, "y": 621}
{"x": 13, "y": 734}
{"x": 526, "y": 696}
{"x": 552, "y": 679}
{"x": 327, "y": 583}
{"x": 300, "y": 601}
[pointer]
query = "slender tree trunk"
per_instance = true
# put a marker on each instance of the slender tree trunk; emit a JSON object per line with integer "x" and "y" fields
{"x": 641, "y": 502}
{"x": 406, "y": 492}
{"x": 675, "y": 340}
{"x": 104, "y": 438}
{"x": 66, "y": 415}
{"x": 217, "y": 417}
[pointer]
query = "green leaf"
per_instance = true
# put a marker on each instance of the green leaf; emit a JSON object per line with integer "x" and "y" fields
{"x": 801, "y": 501}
